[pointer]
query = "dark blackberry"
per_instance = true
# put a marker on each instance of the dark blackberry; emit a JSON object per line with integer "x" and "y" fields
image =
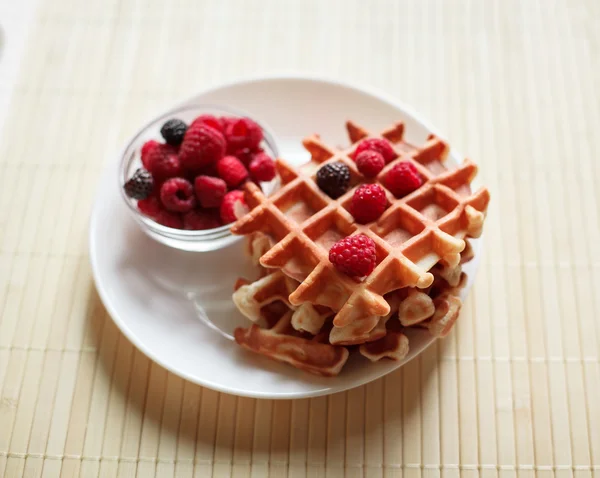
{"x": 173, "y": 131}
{"x": 333, "y": 179}
{"x": 140, "y": 185}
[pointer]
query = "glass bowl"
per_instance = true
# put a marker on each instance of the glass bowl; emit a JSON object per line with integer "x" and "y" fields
{"x": 201, "y": 240}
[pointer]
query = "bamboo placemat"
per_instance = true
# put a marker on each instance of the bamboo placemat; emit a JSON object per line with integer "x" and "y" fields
{"x": 512, "y": 392}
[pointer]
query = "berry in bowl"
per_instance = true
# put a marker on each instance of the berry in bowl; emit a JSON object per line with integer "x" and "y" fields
{"x": 182, "y": 174}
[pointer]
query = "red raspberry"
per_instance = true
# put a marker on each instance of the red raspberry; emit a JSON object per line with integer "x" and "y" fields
{"x": 208, "y": 120}
{"x": 262, "y": 167}
{"x": 402, "y": 179}
{"x": 233, "y": 206}
{"x": 192, "y": 174}
{"x": 382, "y": 146}
{"x": 242, "y": 133}
{"x": 198, "y": 220}
{"x": 210, "y": 191}
{"x": 210, "y": 170}
{"x": 231, "y": 170}
{"x": 169, "y": 219}
{"x": 177, "y": 195}
{"x": 354, "y": 255}
{"x": 145, "y": 152}
{"x": 225, "y": 120}
{"x": 151, "y": 206}
{"x": 202, "y": 145}
{"x": 368, "y": 203}
{"x": 163, "y": 162}
{"x": 369, "y": 163}
{"x": 246, "y": 155}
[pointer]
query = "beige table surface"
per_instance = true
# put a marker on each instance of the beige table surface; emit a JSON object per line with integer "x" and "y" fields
{"x": 515, "y": 389}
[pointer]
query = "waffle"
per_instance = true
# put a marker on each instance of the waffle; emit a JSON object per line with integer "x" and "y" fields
{"x": 305, "y": 337}
{"x": 251, "y": 298}
{"x": 393, "y": 345}
{"x": 257, "y": 245}
{"x": 437, "y": 308}
{"x": 416, "y": 309}
{"x": 312, "y": 355}
{"x": 415, "y": 232}
{"x": 446, "y": 300}
{"x": 265, "y": 301}
{"x": 367, "y": 329}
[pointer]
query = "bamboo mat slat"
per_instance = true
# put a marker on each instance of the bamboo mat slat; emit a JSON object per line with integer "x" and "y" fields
{"x": 511, "y": 393}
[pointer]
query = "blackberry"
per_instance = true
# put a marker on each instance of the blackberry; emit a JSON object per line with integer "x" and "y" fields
{"x": 173, "y": 131}
{"x": 333, "y": 179}
{"x": 140, "y": 185}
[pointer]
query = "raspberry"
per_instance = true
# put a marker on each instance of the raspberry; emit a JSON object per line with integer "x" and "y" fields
{"x": 225, "y": 121}
{"x": 333, "y": 179}
{"x": 202, "y": 145}
{"x": 354, "y": 255}
{"x": 210, "y": 191}
{"x": 402, "y": 179}
{"x": 233, "y": 206}
{"x": 169, "y": 219}
{"x": 163, "y": 162}
{"x": 382, "y": 146}
{"x": 197, "y": 220}
{"x": 210, "y": 170}
{"x": 246, "y": 155}
{"x": 140, "y": 185}
{"x": 368, "y": 203}
{"x": 150, "y": 206}
{"x": 145, "y": 152}
{"x": 231, "y": 170}
{"x": 262, "y": 167}
{"x": 369, "y": 163}
{"x": 167, "y": 167}
{"x": 192, "y": 174}
{"x": 242, "y": 133}
{"x": 173, "y": 131}
{"x": 177, "y": 195}
{"x": 208, "y": 120}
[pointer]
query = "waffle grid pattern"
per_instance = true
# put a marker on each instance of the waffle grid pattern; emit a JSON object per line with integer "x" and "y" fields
{"x": 404, "y": 264}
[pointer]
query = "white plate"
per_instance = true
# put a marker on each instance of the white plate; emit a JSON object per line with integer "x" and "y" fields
{"x": 176, "y": 306}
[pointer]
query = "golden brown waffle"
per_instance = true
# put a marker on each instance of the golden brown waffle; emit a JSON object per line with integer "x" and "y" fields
{"x": 291, "y": 333}
{"x": 436, "y": 308}
{"x": 393, "y": 345}
{"x": 412, "y": 235}
{"x": 251, "y": 298}
{"x": 257, "y": 245}
{"x": 417, "y": 308}
{"x": 367, "y": 329}
{"x": 446, "y": 300}
{"x": 279, "y": 340}
{"x": 279, "y": 343}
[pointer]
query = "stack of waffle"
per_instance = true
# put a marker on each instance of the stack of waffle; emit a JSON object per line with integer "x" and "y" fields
{"x": 309, "y": 314}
